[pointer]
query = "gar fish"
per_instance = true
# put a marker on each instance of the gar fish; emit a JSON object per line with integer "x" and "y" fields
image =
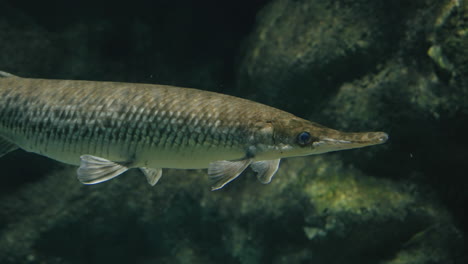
{"x": 108, "y": 127}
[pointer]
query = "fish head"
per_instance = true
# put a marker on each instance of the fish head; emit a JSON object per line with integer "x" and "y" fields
{"x": 299, "y": 137}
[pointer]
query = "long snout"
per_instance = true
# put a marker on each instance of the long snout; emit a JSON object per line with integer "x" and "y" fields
{"x": 344, "y": 140}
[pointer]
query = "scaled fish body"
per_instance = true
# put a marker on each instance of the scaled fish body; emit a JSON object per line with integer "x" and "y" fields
{"x": 108, "y": 127}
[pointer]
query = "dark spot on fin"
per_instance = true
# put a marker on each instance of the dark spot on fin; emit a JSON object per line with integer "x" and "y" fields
{"x": 152, "y": 175}
{"x": 265, "y": 169}
{"x": 95, "y": 169}
{"x": 6, "y": 146}
{"x": 223, "y": 172}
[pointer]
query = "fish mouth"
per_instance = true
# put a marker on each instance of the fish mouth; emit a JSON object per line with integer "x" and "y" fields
{"x": 342, "y": 140}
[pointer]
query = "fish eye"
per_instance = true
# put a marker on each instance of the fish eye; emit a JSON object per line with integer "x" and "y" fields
{"x": 304, "y": 138}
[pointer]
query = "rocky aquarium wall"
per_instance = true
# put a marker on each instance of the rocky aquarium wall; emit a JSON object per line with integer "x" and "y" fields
{"x": 362, "y": 65}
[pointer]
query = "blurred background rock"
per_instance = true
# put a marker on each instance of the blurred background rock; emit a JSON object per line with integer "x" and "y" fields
{"x": 396, "y": 66}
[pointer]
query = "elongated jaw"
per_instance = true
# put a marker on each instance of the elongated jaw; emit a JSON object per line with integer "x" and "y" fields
{"x": 343, "y": 140}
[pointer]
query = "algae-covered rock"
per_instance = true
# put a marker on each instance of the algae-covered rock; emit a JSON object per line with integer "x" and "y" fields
{"x": 300, "y": 51}
{"x": 450, "y": 38}
{"x": 449, "y": 51}
{"x": 425, "y": 116}
{"x": 316, "y": 209}
{"x": 413, "y": 93}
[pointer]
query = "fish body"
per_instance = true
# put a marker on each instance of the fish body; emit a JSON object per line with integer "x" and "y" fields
{"x": 109, "y": 127}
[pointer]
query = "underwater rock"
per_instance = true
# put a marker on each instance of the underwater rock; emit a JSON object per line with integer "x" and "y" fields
{"x": 58, "y": 220}
{"x": 409, "y": 80}
{"x": 449, "y": 51}
{"x": 375, "y": 218}
{"x": 420, "y": 104}
{"x": 301, "y": 51}
{"x": 416, "y": 109}
{"x": 315, "y": 210}
{"x": 318, "y": 210}
{"x": 450, "y": 38}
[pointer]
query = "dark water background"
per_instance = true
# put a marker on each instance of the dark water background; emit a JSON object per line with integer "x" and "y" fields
{"x": 394, "y": 66}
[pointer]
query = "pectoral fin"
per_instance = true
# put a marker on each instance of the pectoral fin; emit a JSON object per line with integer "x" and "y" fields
{"x": 152, "y": 175}
{"x": 6, "y": 146}
{"x": 95, "y": 169}
{"x": 265, "y": 169}
{"x": 223, "y": 171}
